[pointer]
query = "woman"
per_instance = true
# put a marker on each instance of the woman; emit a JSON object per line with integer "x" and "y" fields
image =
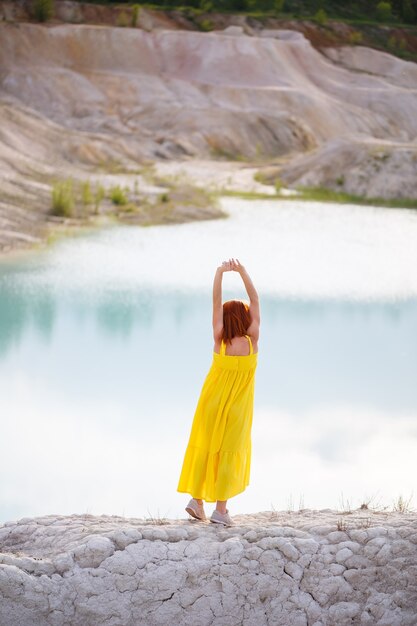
{"x": 217, "y": 459}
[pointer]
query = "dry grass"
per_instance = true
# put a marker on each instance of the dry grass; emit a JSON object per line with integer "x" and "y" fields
{"x": 157, "y": 519}
{"x": 403, "y": 505}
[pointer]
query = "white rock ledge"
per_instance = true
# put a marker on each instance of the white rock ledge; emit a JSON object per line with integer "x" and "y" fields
{"x": 271, "y": 568}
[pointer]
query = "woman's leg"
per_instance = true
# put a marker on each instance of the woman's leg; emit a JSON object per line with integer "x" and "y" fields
{"x": 221, "y": 506}
{"x": 198, "y": 501}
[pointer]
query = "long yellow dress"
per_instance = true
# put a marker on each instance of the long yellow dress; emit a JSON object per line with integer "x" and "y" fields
{"x": 217, "y": 459}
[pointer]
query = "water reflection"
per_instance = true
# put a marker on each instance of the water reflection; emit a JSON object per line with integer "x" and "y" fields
{"x": 312, "y": 353}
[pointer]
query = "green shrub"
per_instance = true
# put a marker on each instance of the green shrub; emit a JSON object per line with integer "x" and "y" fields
{"x": 383, "y": 11}
{"x": 397, "y": 44}
{"x": 87, "y": 197}
{"x": 62, "y": 199}
{"x": 135, "y": 15}
{"x": 99, "y": 195}
{"x": 123, "y": 19}
{"x": 43, "y": 10}
{"x": 206, "y": 25}
{"x": 402, "y": 44}
{"x": 320, "y": 17}
{"x": 355, "y": 37}
{"x": 118, "y": 195}
{"x": 278, "y": 184}
{"x": 164, "y": 197}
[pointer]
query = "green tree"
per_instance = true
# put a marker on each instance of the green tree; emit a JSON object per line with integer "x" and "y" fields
{"x": 235, "y": 5}
{"x": 43, "y": 10}
{"x": 313, "y": 6}
{"x": 206, "y": 6}
{"x": 384, "y": 11}
{"x": 408, "y": 12}
{"x": 278, "y": 6}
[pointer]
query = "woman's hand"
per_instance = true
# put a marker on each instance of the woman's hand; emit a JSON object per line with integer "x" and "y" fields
{"x": 226, "y": 266}
{"x": 237, "y": 266}
{"x": 232, "y": 265}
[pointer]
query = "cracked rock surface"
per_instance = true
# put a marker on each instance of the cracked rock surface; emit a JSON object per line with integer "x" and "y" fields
{"x": 318, "y": 568}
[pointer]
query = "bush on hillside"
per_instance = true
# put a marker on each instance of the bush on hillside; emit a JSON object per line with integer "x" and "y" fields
{"x": 87, "y": 197}
{"x": 118, "y": 195}
{"x": 355, "y": 37}
{"x": 63, "y": 199}
{"x": 99, "y": 195}
{"x": 135, "y": 15}
{"x": 321, "y": 17}
{"x": 123, "y": 20}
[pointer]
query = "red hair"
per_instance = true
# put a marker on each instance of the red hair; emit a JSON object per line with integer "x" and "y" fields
{"x": 236, "y": 319}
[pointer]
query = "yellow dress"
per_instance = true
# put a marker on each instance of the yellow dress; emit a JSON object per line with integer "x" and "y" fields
{"x": 217, "y": 459}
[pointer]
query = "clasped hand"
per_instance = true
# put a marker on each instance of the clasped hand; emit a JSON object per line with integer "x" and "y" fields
{"x": 232, "y": 265}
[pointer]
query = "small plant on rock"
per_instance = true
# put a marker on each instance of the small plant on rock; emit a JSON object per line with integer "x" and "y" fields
{"x": 157, "y": 520}
{"x": 402, "y": 505}
{"x": 342, "y": 524}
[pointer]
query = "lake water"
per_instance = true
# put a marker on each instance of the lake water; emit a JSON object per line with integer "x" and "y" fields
{"x": 105, "y": 341}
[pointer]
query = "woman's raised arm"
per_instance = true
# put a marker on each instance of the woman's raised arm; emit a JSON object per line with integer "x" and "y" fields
{"x": 254, "y": 311}
{"x": 226, "y": 266}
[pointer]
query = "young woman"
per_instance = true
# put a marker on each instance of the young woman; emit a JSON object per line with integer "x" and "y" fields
{"x": 217, "y": 459}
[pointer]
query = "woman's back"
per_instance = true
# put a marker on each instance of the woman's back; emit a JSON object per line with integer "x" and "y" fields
{"x": 240, "y": 346}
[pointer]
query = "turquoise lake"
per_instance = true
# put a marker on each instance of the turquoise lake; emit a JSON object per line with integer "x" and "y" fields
{"x": 105, "y": 340}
